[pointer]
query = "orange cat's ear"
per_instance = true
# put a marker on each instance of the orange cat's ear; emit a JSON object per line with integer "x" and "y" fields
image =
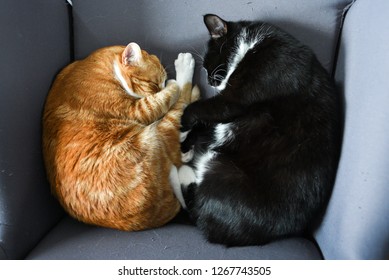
{"x": 131, "y": 54}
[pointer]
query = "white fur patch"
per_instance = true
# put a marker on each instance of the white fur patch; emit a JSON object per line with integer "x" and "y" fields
{"x": 223, "y": 134}
{"x": 243, "y": 46}
{"x": 120, "y": 78}
{"x": 202, "y": 164}
{"x": 176, "y": 185}
{"x": 188, "y": 156}
{"x": 186, "y": 175}
{"x": 183, "y": 135}
{"x": 184, "y": 65}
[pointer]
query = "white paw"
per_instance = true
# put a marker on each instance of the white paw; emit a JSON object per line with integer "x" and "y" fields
{"x": 171, "y": 82}
{"x": 184, "y": 64}
{"x": 188, "y": 156}
{"x": 176, "y": 185}
{"x": 186, "y": 175}
{"x": 183, "y": 135}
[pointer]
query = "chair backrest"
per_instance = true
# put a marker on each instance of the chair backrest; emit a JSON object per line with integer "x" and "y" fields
{"x": 171, "y": 26}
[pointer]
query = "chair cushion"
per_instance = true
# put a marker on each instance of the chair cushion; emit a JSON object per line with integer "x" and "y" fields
{"x": 74, "y": 240}
{"x": 166, "y": 28}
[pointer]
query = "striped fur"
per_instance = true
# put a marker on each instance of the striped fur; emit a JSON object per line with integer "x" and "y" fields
{"x": 110, "y": 138}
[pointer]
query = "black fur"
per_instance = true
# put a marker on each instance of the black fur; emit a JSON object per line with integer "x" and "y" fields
{"x": 275, "y": 176}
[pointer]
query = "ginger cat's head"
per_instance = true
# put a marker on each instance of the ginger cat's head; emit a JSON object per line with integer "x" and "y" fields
{"x": 140, "y": 73}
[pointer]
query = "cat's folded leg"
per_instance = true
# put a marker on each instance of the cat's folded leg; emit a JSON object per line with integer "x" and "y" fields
{"x": 169, "y": 125}
{"x": 160, "y": 103}
{"x": 187, "y": 156}
{"x": 184, "y": 70}
{"x": 194, "y": 97}
{"x": 176, "y": 185}
{"x": 188, "y": 143}
{"x": 187, "y": 177}
{"x": 211, "y": 111}
{"x": 184, "y": 65}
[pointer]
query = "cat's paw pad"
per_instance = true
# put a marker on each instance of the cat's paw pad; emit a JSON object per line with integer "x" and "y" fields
{"x": 188, "y": 156}
{"x": 184, "y": 65}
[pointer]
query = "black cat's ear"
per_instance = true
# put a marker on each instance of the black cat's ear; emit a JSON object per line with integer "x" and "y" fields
{"x": 216, "y": 26}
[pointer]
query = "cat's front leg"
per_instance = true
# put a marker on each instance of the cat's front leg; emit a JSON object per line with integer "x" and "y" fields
{"x": 184, "y": 65}
{"x": 188, "y": 120}
{"x": 176, "y": 185}
{"x": 160, "y": 103}
{"x": 210, "y": 111}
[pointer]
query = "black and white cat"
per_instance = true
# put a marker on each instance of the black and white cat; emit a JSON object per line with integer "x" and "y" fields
{"x": 262, "y": 154}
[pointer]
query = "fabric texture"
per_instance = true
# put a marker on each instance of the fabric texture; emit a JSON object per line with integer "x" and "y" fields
{"x": 36, "y": 42}
{"x": 356, "y": 225}
{"x": 168, "y": 27}
{"x": 175, "y": 241}
{"x": 34, "y": 45}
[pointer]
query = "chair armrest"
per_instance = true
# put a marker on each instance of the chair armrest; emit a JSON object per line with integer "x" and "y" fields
{"x": 356, "y": 225}
{"x": 35, "y": 44}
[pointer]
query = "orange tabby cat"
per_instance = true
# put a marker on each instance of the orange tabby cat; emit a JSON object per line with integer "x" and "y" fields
{"x": 111, "y": 137}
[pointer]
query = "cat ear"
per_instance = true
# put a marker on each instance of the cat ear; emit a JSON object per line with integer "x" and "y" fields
{"x": 216, "y": 26}
{"x": 131, "y": 54}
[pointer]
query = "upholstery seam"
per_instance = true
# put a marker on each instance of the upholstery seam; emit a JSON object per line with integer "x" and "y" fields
{"x": 339, "y": 39}
{"x": 71, "y": 29}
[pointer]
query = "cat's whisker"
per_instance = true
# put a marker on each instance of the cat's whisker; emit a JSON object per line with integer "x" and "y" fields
{"x": 199, "y": 57}
{"x": 220, "y": 72}
{"x": 197, "y": 54}
{"x": 221, "y": 47}
{"x": 217, "y": 74}
{"x": 218, "y": 78}
{"x": 217, "y": 69}
{"x": 168, "y": 67}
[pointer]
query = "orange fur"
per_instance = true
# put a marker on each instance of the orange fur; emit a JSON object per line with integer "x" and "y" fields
{"x": 108, "y": 154}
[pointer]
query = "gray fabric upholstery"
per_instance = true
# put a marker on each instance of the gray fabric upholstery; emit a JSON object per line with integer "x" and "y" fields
{"x": 34, "y": 44}
{"x": 73, "y": 240}
{"x": 356, "y": 225}
{"x": 171, "y": 26}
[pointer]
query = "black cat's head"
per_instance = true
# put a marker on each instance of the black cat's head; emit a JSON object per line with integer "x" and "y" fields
{"x": 222, "y": 46}
{"x": 255, "y": 54}
{"x": 216, "y": 58}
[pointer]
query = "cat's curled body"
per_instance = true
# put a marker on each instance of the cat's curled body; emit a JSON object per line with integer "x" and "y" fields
{"x": 111, "y": 137}
{"x": 262, "y": 154}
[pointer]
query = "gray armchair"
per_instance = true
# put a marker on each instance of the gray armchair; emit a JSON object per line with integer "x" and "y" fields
{"x": 38, "y": 38}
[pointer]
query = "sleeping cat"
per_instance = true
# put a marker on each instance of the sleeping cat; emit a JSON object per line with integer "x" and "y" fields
{"x": 111, "y": 137}
{"x": 261, "y": 154}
